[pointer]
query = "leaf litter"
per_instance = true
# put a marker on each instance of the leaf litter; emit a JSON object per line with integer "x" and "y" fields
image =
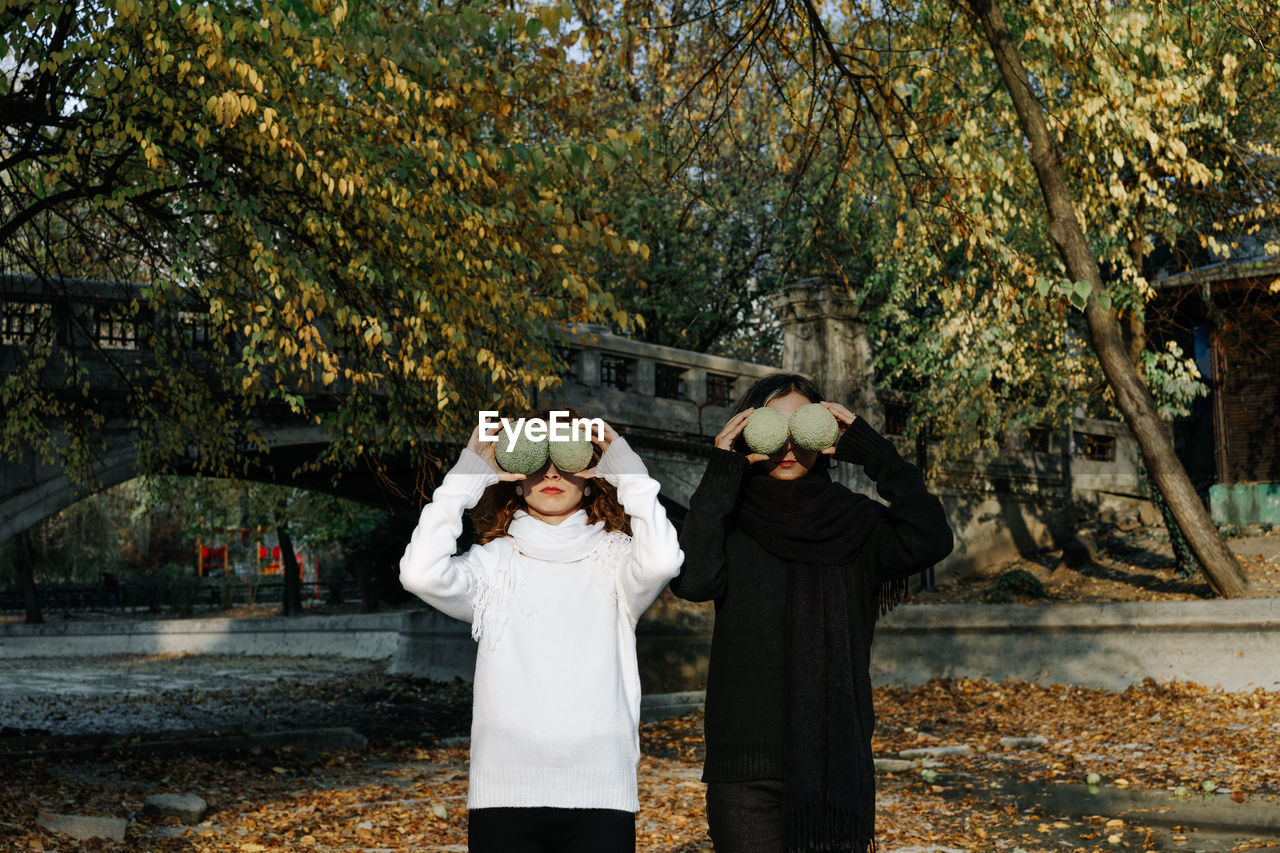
{"x": 407, "y": 791}
{"x": 1171, "y": 740}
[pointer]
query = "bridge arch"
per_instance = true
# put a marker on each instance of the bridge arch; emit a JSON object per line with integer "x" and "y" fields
{"x": 669, "y": 403}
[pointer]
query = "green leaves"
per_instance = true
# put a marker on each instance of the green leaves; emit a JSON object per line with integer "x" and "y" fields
{"x": 361, "y": 201}
{"x": 1079, "y": 294}
{"x": 1075, "y": 292}
{"x": 1174, "y": 380}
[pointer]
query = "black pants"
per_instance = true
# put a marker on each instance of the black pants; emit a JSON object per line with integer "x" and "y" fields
{"x": 550, "y": 830}
{"x": 746, "y": 817}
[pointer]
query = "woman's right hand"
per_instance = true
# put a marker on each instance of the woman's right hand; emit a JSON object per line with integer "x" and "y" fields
{"x": 729, "y": 434}
{"x": 488, "y": 450}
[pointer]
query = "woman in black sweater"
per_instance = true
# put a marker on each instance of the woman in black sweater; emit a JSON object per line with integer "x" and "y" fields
{"x": 799, "y": 568}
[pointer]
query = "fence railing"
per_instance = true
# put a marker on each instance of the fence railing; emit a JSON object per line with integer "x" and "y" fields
{"x": 173, "y": 594}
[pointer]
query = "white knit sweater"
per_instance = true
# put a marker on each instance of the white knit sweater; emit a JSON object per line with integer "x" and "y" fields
{"x": 557, "y": 690}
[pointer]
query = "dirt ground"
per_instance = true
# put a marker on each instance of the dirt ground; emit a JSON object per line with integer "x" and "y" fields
{"x": 1111, "y": 564}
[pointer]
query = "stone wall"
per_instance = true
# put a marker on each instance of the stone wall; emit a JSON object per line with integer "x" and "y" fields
{"x": 1228, "y": 644}
{"x": 371, "y": 636}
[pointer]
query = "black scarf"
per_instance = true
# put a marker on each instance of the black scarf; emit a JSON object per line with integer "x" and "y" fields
{"x": 817, "y": 527}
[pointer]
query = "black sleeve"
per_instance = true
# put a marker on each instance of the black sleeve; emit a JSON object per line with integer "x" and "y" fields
{"x": 914, "y": 533}
{"x": 706, "y": 525}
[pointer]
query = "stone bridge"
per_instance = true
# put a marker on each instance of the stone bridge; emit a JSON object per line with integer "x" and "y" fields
{"x": 669, "y": 403}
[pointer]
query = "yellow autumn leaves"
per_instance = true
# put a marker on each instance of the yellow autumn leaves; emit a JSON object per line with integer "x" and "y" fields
{"x": 364, "y": 198}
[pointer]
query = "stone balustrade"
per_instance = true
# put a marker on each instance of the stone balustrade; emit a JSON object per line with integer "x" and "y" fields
{"x": 670, "y": 402}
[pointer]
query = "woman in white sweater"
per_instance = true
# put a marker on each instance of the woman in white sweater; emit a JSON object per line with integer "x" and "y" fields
{"x": 565, "y": 565}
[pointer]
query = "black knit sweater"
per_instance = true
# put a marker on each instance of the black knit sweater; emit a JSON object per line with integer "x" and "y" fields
{"x": 744, "y": 721}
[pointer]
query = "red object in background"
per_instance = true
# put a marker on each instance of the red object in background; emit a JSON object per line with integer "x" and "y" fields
{"x": 213, "y": 561}
{"x": 269, "y": 566}
{"x": 213, "y": 557}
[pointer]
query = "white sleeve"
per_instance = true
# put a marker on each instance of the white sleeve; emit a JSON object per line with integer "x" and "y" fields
{"x": 655, "y": 556}
{"x": 429, "y": 568}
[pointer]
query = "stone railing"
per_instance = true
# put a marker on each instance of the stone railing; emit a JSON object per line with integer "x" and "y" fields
{"x": 657, "y": 393}
{"x": 82, "y": 314}
{"x": 649, "y": 388}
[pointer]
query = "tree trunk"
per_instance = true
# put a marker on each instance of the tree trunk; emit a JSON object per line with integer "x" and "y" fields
{"x": 1132, "y": 396}
{"x": 1137, "y": 330}
{"x": 27, "y": 577}
{"x": 291, "y": 600}
{"x": 370, "y": 601}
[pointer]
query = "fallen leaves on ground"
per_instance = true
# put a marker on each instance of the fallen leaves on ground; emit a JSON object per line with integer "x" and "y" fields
{"x": 1156, "y": 734}
{"x": 401, "y": 796}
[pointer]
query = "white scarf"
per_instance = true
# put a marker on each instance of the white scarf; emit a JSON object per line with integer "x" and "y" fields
{"x": 567, "y": 542}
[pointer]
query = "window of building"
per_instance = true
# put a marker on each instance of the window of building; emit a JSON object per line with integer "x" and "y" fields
{"x": 1095, "y": 448}
{"x": 668, "y": 381}
{"x": 111, "y": 329}
{"x": 20, "y": 322}
{"x": 616, "y": 372}
{"x": 1040, "y": 440}
{"x": 895, "y": 418}
{"x": 720, "y": 389}
{"x": 196, "y": 329}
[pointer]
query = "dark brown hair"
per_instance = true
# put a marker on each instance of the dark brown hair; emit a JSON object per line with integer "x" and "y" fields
{"x": 492, "y": 515}
{"x": 770, "y": 388}
{"x": 777, "y": 385}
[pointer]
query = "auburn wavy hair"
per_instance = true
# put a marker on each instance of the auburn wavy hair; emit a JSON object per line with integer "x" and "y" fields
{"x": 492, "y": 515}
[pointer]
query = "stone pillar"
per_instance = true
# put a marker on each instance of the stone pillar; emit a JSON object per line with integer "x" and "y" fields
{"x": 695, "y": 385}
{"x": 645, "y": 377}
{"x": 587, "y": 369}
{"x": 824, "y": 338}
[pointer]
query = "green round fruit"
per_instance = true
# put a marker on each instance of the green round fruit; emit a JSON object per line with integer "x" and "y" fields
{"x": 813, "y": 427}
{"x": 766, "y": 430}
{"x": 525, "y": 457}
{"x": 571, "y": 456}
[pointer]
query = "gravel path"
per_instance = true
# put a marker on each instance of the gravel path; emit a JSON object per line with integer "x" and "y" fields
{"x": 140, "y": 695}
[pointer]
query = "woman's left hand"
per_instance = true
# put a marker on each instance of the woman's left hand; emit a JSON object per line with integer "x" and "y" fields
{"x": 844, "y": 417}
{"x": 609, "y": 435}
{"x": 488, "y": 451}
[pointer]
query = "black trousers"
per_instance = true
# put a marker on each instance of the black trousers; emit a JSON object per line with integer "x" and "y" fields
{"x": 746, "y": 817}
{"x": 550, "y": 830}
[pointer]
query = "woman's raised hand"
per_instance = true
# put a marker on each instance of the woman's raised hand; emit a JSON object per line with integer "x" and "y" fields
{"x": 609, "y": 435}
{"x": 487, "y": 450}
{"x": 843, "y": 416}
{"x": 732, "y": 429}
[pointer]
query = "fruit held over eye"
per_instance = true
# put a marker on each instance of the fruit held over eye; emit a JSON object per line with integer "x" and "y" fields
{"x": 765, "y": 431}
{"x": 571, "y": 456}
{"x": 526, "y": 457}
{"x": 813, "y": 427}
